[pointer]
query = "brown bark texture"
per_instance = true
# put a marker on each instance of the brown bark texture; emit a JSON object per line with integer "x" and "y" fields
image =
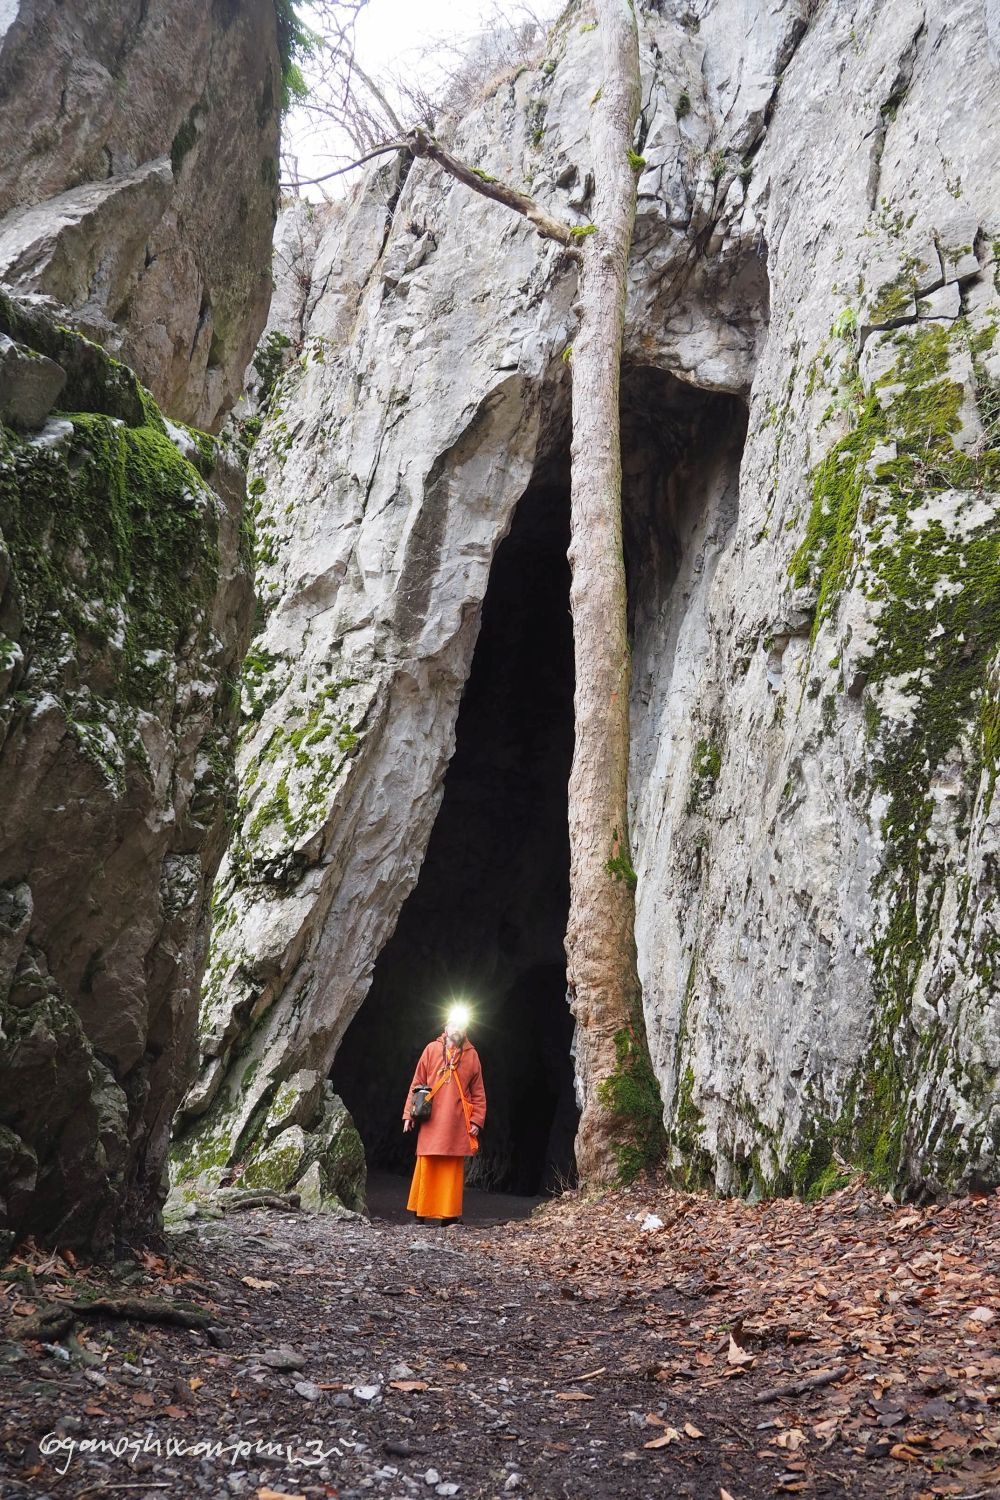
{"x": 421, "y": 144}
{"x": 600, "y": 942}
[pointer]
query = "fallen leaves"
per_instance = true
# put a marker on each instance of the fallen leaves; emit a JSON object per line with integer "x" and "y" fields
{"x": 869, "y": 1331}
{"x": 827, "y": 1430}
{"x": 737, "y": 1356}
{"x": 852, "y": 1299}
{"x": 792, "y": 1439}
{"x": 668, "y": 1436}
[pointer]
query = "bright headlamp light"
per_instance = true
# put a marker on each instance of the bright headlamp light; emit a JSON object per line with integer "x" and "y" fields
{"x": 458, "y": 1017}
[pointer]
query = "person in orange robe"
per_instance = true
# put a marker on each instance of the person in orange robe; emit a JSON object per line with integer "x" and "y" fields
{"x": 450, "y": 1066}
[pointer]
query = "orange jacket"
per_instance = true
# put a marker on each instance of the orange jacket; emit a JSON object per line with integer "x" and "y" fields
{"x": 444, "y": 1134}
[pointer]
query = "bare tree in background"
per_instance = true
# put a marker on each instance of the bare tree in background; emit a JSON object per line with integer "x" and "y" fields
{"x": 362, "y": 109}
{"x": 621, "y": 1122}
{"x": 512, "y": 36}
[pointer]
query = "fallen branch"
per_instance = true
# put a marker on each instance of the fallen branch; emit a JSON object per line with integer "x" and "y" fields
{"x": 147, "y": 1310}
{"x": 55, "y": 1319}
{"x": 102, "y": 1489}
{"x": 750, "y": 1439}
{"x": 799, "y": 1387}
{"x": 419, "y": 143}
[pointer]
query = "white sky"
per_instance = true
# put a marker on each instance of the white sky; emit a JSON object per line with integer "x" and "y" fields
{"x": 390, "y": 34}
{"x": 388, "y": 28}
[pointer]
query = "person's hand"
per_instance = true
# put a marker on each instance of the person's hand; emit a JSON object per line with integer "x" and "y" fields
{"x": 407, "y": 1124}
{"x": 474, "y": 1130}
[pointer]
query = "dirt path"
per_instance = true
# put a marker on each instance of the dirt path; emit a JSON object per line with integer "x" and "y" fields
{"x": 587, "y": 1352}
{"x": 387, "y": 1193}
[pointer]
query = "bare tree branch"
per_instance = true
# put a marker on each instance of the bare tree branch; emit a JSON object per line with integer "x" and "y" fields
{"x": 549, "y": 228}
{"x": 420, "y": 144}
{"x": 383, "y": 150}
{"x": 377, "y": 93}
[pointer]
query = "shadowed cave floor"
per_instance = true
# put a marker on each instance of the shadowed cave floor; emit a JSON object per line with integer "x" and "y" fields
{"x": 386, "y": 1194}
{"x": 584, "y": 1352}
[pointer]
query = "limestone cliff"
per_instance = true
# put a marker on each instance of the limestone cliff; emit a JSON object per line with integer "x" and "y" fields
{"x": 138, "y": 181}
{"x": 125, "y": 605}
{"x": 137, "y": 199}
{"x": 810, "y": 403}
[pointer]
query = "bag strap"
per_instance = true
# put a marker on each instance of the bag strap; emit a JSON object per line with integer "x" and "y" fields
{"x": 445, "y": 1072}
{"x": 433, "y": 1091}
{"x": 467, "y": 1110}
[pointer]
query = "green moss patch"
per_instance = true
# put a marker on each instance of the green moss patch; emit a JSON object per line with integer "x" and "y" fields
{"x": 696, "y": 1169}
{"x": 632, "y": 1095}
{"x": 114, "y": 537}
{"x": 94, "y": 381}
{"x": 705, "y": 768}
{"x": 288, "y": 787}
{"x": 917, "y": 535}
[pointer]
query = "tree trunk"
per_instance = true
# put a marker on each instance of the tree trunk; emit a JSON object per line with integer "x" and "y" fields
{"x": 600, "y": 943}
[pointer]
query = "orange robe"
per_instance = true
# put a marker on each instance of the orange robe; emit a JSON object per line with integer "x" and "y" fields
{"x": 443, "y": 1140}
{"x": 436, "y": 1189}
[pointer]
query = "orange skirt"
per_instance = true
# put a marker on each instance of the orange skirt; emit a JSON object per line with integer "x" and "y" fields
{"x": 436, "y": 1189}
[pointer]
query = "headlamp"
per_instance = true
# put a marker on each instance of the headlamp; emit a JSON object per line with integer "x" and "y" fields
{"x": 458, "y": 1018}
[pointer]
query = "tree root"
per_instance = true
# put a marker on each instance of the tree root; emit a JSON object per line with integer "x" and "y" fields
{"x": 55, "y": 1319}
{"x": 241, "y": 1199}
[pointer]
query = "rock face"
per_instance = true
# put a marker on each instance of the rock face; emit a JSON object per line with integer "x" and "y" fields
{"x": 810, "y": 404}
{"x": 125, "y": 607}
{"x": 150, "y": 223}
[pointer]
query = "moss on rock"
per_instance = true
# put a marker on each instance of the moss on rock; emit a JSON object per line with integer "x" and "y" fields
{"x": 119, "y": 565}
{"x": 632, "y": 1095}
{"x": 908, "y": 520}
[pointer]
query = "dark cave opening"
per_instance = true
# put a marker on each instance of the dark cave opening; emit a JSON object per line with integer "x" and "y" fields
{"x": 486, "y": 920}
{"x": 681, "y": 452}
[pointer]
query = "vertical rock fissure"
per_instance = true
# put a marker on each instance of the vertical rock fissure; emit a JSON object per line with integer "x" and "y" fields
{"x": 487, "y": 917}
{"x": 682, "y": 453}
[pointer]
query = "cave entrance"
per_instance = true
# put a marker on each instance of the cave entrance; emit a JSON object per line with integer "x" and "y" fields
{"x": 487, "y": 918}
